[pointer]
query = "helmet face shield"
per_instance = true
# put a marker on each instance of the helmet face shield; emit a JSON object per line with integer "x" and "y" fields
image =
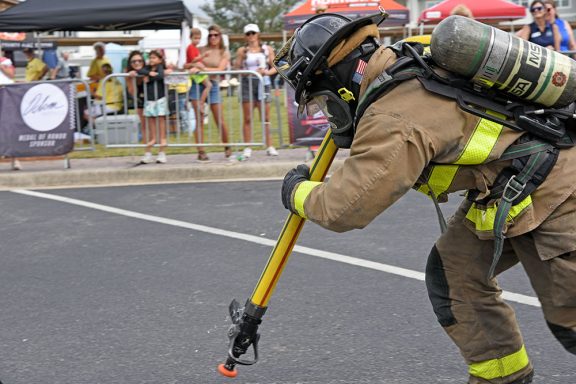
{"x": 335, "y": 109}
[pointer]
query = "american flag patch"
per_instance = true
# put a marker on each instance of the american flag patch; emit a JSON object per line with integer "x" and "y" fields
{"x": 359, "y": 72}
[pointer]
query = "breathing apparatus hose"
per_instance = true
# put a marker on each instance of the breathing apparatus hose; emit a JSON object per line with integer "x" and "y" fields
{"x": 245, "y": 321}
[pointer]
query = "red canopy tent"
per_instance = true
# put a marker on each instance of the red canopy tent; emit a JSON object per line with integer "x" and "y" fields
{"x": 399, "y": 14}
{"x": 485, "y": 10}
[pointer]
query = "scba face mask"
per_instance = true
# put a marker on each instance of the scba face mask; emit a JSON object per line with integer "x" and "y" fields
{"x": 336, "y": 111}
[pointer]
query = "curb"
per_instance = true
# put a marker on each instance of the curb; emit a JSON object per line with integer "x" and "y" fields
{"x": 142, "y": 175}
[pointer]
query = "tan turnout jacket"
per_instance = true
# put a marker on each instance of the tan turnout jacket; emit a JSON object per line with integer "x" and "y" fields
{"x": 410, "y": 128}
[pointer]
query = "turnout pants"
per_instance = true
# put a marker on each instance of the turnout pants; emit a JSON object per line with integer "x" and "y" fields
{"x": 470, "y": 308}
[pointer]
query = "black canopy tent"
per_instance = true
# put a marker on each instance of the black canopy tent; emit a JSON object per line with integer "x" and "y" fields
{"x": 96, "y": 15}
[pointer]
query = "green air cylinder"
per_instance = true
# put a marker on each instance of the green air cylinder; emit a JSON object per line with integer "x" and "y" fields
{"x": 494, "y": 58}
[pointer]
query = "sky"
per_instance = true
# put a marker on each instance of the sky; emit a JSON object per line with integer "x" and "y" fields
{"x": 194, "y": 6}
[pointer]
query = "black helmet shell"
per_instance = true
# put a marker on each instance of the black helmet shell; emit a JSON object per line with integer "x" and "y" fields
{"x": 314, "y": 34}
{"x": 308, "y": 49}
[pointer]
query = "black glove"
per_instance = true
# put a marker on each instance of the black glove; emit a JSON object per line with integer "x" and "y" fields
{"x": 292, "y": 178}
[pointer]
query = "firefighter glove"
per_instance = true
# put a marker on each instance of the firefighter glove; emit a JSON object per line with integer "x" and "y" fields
{"x": 294, "y": 177}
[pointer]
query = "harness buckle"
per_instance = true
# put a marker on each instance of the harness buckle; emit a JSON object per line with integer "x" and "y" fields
{"x": 512, "y": 186}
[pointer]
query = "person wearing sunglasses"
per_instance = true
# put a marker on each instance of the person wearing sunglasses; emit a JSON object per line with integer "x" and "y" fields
{"x": 257, "y": 57}
{"x": 135, "y": 88}
{"x": 215, "y": 58}
{"x": 567, "y": 41}
{"x": 541, "y": 31}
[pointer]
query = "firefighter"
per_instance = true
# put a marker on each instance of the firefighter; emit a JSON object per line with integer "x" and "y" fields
{"x": 403, "y": 136}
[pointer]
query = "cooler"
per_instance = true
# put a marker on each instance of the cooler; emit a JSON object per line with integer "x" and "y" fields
{"x": 117, "y": 129}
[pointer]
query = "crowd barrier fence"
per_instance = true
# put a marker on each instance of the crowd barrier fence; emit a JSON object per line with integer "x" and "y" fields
{"x": 122, "y": 127}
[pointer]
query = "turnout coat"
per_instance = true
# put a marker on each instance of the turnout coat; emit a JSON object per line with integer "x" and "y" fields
{"x": 407, "y": 136}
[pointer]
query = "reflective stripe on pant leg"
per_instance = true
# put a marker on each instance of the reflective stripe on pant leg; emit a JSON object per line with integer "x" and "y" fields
{"x": 484, "y": 326}
{"x": 502, "y": 367}
{"x": 438, "y": 289}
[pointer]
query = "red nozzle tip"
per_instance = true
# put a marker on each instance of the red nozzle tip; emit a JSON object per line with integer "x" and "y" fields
{"x": 226, "y": 372}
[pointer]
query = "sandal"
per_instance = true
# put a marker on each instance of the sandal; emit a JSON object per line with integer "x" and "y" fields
{"x": 202, "y": 156}
{"x": 227, "y": 152}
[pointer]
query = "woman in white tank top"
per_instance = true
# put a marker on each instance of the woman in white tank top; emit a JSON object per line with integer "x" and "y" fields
{"x": 255, "y": 57}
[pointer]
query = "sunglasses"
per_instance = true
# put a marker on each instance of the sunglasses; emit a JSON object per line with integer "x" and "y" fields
{"x": 536, "y": 9}
{"x": 136, "y": 61}
{"x": 250, "y": 33}
{"x": 213, "y": 34}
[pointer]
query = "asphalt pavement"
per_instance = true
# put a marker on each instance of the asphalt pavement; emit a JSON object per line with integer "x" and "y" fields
{"x": 50, "y": 173}
{"x": 131, "y": 284}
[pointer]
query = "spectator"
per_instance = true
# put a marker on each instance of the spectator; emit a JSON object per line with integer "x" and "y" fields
{"x": 108, "y": 104}
{"x": 50, "y": 58}
{"x": 540, "y": 31}
{"x": 135, "y": 87}
{"x": 62, "y": 69}
{"x": 192, "y": 58}
{"x": 155, "y": 105}
{"x": 35, "y": 69}
{"x": 7, "y": 70}
{"x": 462, "y": 10}
{"x": 255, "y": 56}
{"x": 178, "y": 97}
{"x": 95, "y": 71}
{"x": 215, "y": 58}
{"x": 567, "y": 42}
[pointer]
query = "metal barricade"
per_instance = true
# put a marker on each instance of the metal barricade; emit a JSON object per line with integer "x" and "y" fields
{"x": 184, "y": 123}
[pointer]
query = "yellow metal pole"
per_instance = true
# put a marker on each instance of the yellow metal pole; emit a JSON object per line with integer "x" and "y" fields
{"x": 291, "y": 230}
{"x": 243, "y": 332}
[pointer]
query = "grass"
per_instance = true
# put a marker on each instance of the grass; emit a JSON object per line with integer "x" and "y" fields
{"x": 232, "y": 116}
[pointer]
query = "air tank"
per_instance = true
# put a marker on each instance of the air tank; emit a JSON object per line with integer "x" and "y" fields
{"x": 496, "y": 59}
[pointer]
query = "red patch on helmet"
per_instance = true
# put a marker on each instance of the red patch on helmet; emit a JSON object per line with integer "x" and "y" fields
{"x": 559, "y": 79}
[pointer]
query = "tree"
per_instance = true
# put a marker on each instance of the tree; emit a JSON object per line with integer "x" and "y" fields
{"x": 233, "y": 15}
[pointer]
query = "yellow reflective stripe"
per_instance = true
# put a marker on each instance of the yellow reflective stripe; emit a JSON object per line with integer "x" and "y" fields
{"x": 440, "y": 179}
{"x": 496, "y": 368}
{"x": 483, "y": 219}
{"x": 476, "y": 151}
{"x": 302, "y": 192}
{"x": 482, "y": 141}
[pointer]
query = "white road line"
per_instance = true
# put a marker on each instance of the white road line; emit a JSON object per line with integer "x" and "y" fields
{"x": 516, "y": 297}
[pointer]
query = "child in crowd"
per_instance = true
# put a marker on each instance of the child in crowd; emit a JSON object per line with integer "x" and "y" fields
{"x": 155, "y": 105}
{"x": 194, "y": 57}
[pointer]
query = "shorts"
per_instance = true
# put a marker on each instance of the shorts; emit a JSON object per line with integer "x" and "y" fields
{"x": 155, "y": 108}
{"x": 213, "y": 96}
{"x": 253, "y": 94}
